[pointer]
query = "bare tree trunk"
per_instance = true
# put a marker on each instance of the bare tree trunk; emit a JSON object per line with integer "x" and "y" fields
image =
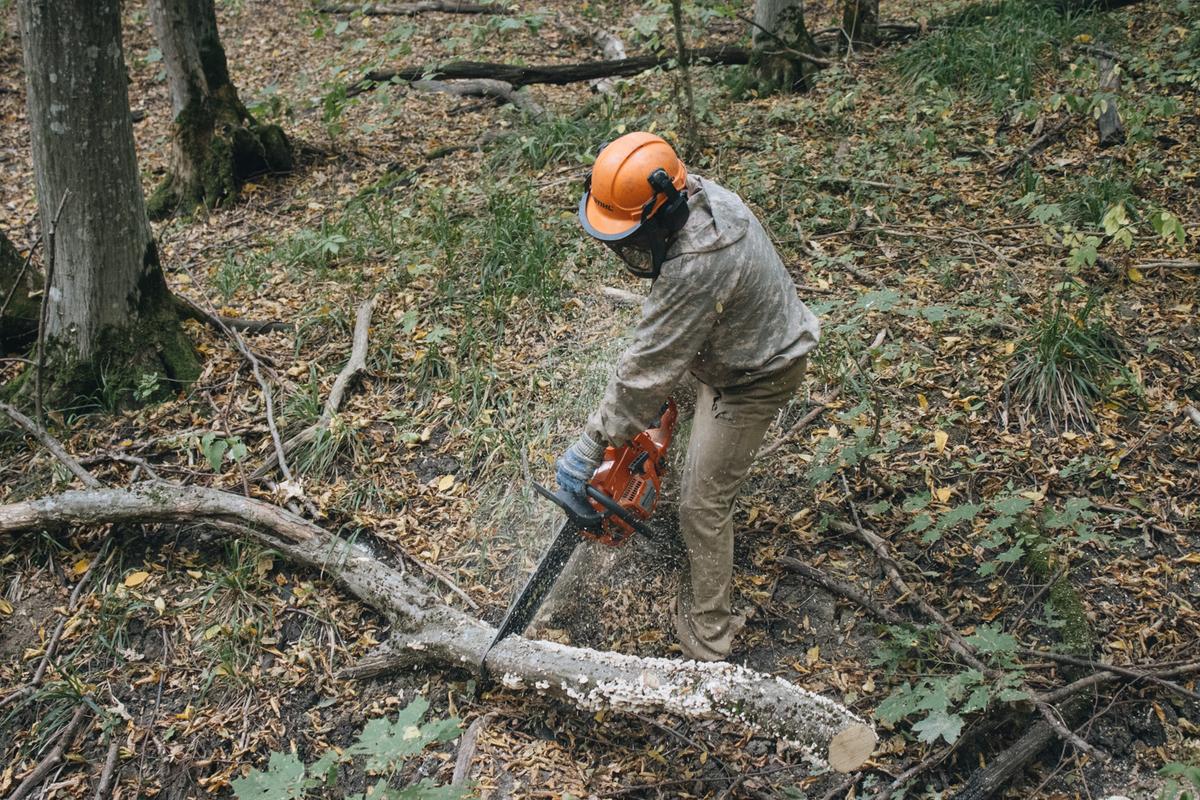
{"x": 216, "y": 143}
{"x": 110, "y": 318}
{"x": 860, "y": 21}
{"x": 785, "y": 55}
{"x": 19, "y": 285}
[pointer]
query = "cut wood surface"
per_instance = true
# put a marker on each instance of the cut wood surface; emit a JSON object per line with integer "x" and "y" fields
{"x": 519, "y": 75}
{"x": 429, "y": 632}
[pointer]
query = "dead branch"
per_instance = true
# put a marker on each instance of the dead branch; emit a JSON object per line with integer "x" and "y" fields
{"x": 47, "y": 441}
{"x": 109, "y": 772}
{"x": 412, "y": 9}
{"x": 189, "y": 310}
{"x": 558, "y": 74}
{"x": 466, "y": 751}
{"x": 54, "y": 757}
{"x": 484, "y": 87}
{"x": 354, "y": 365}
{"x": 1126, "y": 672}
{"x": 844, "y": 590}
{"x": 989, "y": 779}
{"x": 428, "y": 632}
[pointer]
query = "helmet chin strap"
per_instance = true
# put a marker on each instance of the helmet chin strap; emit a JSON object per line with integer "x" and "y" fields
{"x": 658, "y": 227}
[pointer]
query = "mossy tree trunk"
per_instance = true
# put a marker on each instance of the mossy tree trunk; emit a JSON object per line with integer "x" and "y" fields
{"x": 781, "y": 39}
{"x": 111, "y": 324}
{"x": 216, "y": 143}
{"x": 860, "y": 21}
{"x": 18, "y": 298}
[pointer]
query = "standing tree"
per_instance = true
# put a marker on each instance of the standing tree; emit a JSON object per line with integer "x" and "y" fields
{"x": 785, "y": 55}
{"x": 216, "y": 143}
{"x": 860, "y": 21}
{"x": 110, "y": 318}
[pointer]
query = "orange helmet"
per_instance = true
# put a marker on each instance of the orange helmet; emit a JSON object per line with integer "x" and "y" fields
{"x": 620, "y": 195}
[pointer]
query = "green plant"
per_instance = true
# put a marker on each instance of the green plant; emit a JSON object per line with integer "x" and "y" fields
{"x": 560, "y": 139}
{"x": 384, "y": 746}
{"x": 215, "y": 448}
{"x": 993, "y": 51}
{"x": 519, "y": 256}
{"x": 236, "y": 273}
{"x": 1177, "y": 789}
{"x": 1064, "y": 365}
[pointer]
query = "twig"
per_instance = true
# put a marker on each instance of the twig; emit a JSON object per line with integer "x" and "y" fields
{"x": 54, "y": 757}
{"x": 840, "y": 789}
{"x": 844, "y": 590}
{"x": 1040, "y": 592}
{"x": 20, "y": 275}
{"x": 952, "y": 637}
{"x": 1154, "y": 526}
{"x": 51, "y": 444}
{"x": 354, "y": 365}
{"x": 622, "y": 296}
{"x": 105, "y": 784}
{"x": 1127, "y": 672}
{"x": 190, "y": 310}
{"x": 43, "y": 310}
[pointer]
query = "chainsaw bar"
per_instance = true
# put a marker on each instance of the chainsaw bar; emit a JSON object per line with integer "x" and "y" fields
{"x": 523, "y": 609}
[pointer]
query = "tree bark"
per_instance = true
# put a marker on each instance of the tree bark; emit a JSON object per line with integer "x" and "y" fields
{"x": 518, "y": 75}
{"x": 781, "y": 41}
{"x": 19, "y": 286}
{"x": 110, "y": 318}
{"x": 427, "y": 631}
{"x": 216, "y": 143}
{"x": 860, "y": 21}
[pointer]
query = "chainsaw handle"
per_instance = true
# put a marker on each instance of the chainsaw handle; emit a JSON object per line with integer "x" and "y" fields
{"x": 613, "y": 507}
{"x": 578, "y": 510}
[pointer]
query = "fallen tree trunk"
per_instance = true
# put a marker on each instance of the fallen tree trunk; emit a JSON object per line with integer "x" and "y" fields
{"x": 429, "y": 632}
{"x": 484, "y": 87}
{"x": 557, "y": 74}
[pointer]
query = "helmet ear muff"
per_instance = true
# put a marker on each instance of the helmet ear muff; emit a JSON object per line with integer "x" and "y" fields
{"x": 673, "y": 214}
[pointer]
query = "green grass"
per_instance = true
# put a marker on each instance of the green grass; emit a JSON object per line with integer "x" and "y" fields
{"x": 995, "y": 52}
{"x": 1064, "y": 366}
{"x": 564, "y": 140}
{"x": 1090, "y": 196}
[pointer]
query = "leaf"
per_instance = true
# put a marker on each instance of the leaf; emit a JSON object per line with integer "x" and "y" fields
{"x": 878, "y": 300}
{"x": 991, "y": 639}
{"x": 897, "y": 705}
{"x": 976, "y": 701}
{"x": 283, "y": 780}
{"x": 136, "y": 578}
{"x": 5, "y": 607}
{"x": 445, "y": 482}
{"x": 1011, "y": 506}
{"x": 939, "y": 441}
{"x": 936, "y": 697}
{"x": 919, "y": 524}
{"x": 939, "y": 724}
{"x": 963, "y": 513}
{"x": 386, "y": 743}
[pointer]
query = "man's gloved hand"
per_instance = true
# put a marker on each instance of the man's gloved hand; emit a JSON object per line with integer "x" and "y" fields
{"x": 575, "y": 467}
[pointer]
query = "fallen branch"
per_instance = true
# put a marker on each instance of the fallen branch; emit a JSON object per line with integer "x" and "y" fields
{"x": 558, "y": 74}
{"x": 1126, "y": 672}
{"x": 354, "y": 365}
{"x": 189, "y": 310}
{"x": 51, "y": 444}
{"x": 484, "y": 87}
{"x": 466, "y": 751}
{"x": 843, "y": 590}
{"x": 427, "y": 631}
{"x": 54, "y": 757}
{"x": 412, "y": 9}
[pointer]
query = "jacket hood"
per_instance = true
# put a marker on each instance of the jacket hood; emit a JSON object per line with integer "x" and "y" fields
{"x": 717, "y": 218}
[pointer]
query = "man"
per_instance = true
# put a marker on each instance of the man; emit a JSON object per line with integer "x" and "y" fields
{"x": 721, "y": 306}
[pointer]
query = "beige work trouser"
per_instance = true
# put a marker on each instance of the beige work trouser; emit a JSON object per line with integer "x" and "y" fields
{"x": 727, "y": 429}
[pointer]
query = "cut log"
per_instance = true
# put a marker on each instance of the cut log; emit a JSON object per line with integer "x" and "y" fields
{"x": 1108, "y": 124}
{"x": 558, "y": 74}
{"x": 428, "y": 632}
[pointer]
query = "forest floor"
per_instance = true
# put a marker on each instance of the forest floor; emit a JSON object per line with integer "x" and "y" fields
{"x": 946, "y": 212}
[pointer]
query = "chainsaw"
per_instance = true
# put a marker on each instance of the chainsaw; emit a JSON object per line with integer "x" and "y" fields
{"x": 619, "y": 498}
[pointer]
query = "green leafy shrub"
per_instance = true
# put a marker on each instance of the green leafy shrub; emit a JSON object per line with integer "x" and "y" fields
{"x": 383, "y": 747}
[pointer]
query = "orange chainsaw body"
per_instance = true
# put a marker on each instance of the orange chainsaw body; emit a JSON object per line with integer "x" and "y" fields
{"x": 632, "y": 476}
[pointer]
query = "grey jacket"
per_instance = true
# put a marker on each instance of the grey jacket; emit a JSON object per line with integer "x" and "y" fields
{"x": 723, "y": 307}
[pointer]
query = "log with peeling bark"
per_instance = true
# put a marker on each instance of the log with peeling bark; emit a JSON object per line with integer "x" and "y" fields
{"x": 557, "y": 74}
{"x": 429, "y": 632}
